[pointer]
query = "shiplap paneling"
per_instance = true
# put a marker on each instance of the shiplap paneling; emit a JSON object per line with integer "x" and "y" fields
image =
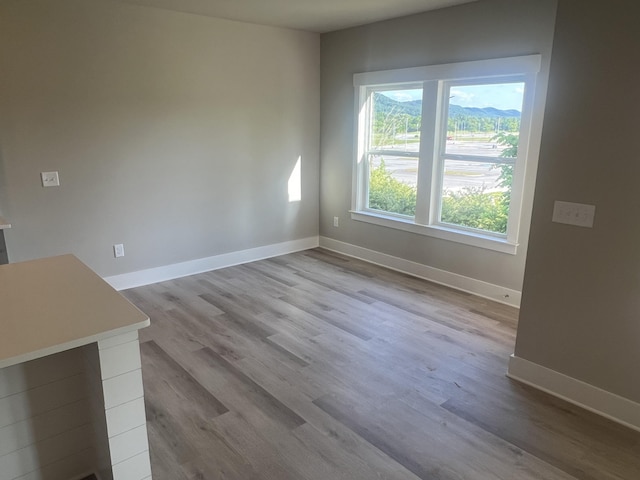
{"x": 51, "y": 423}
{"x": 66, "y": 468}
{"x": 121, "y": 374}
{"x": 46, "y": 421}
{"x": 102, "y": 463}
{"x": 125, "y": 417}
{"x": 135, "y": 468}
{"x": 29, "y": 375}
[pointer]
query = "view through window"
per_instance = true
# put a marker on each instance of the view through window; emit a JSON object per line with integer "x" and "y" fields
{"x": 394, "y": 143}
{"x": 480, "y": 149}
{"x": 476, "y": 161}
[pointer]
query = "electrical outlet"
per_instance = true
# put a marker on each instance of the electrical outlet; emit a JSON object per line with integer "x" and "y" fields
{"x": 50, "y": 179}
{"x": 577, "y": 214}
{"x": 118, "y": 250}
{"x": 336, "y": 221}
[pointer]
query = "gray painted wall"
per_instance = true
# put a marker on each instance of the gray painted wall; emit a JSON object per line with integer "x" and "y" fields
{"x": 480, "y": 30}
{"x": 580, "y": 310}
{"x": 173, "y": 134}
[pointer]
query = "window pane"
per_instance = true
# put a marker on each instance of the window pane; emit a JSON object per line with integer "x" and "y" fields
{"x": 392, "y": 184}
{"x": 476, "y": 195}
{"x": 483, "y": 121}
{"x": 481, "y": 117}
{"x": 395, "y": 118}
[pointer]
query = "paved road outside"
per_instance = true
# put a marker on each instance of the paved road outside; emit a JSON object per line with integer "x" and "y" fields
{"x": 458, "y": 174}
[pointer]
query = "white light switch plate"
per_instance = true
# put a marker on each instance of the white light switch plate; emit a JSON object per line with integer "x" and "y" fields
{"x": 118, "y": 250}
{"x": 577, "y": 214}
{"x": 50, "y": 179}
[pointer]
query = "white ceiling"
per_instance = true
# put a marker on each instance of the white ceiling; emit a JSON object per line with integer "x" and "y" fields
{"x": 312, "y": 15}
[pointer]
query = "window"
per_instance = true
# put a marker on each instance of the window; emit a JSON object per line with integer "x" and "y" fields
{"x": 393, "y": 145}
{"x": 441, "y": 150}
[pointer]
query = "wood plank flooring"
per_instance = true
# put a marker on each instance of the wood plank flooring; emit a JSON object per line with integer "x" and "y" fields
{"x": 315, "y": 366}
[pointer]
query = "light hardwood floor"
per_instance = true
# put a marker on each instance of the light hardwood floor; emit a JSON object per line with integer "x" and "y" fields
{"x": 320, "y": 367}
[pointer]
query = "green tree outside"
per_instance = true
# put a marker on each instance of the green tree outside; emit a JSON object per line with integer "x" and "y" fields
{"x": 475, "y": 208}
{"x": 389, "y": 194}
{"x": 471, "y": 207}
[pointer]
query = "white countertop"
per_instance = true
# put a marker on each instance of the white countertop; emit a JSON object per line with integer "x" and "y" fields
{"x": 4, "y": 223}
{"x": 55, "y": 304}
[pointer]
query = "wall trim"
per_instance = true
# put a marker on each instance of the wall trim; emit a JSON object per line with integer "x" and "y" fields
{"x": 200, "y": 265}
{"x": 614, "y": 407}
{"x": 442, "y": 277}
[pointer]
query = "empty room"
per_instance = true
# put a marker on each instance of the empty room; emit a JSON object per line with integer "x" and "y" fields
{"x": 319, "y": 240}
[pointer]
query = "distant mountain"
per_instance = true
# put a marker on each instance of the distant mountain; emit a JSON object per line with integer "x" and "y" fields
{"x": 413, "y": 108}
{"x": 385, "y": 104}
{"x": 487, "y": 112}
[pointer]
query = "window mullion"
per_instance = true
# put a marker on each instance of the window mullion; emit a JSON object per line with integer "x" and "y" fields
{"x": 480, "y": 159}
{"x": 440, "y": 135}
{"x": 513, "y": 224}
{"x": 428, "y": 152}
{"x": 360, "y": 173}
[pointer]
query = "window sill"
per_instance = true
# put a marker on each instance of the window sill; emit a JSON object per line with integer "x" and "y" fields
{"x": 459, "y": 236}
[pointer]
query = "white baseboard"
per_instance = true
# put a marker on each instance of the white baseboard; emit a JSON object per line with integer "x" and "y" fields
{"x": 442, "y": 277}
{"x": 200, "y": 265}
{"x": 594, "y": 399}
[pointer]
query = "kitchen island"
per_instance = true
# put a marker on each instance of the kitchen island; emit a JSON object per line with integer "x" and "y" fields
{"x": 71, "y": 394}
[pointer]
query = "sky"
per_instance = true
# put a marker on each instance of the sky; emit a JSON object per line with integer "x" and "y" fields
{"x": 505, "y": 96}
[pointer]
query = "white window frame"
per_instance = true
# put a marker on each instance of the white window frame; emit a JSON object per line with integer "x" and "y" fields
{"x": 435, "y": 81}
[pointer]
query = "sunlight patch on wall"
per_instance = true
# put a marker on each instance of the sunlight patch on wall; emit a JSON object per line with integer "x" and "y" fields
{"x": 295, "y": 182}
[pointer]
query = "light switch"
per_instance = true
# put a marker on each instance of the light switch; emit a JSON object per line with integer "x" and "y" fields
{"x": 118, "y": 250}
{"x": 50, "y": 179}
{"x": 577, "y": 214}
